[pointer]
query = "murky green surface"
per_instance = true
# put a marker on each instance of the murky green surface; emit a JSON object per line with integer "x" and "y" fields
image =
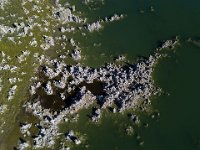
{"x": 178, "y": 127}
{"x": 138, "y": 34}
{"x": 179, "y": 124}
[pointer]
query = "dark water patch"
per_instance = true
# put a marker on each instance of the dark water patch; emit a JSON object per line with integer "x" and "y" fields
{"x": 71, "y": 97}
{"x": 95, "y": 88}
{"x": 53, "y": 102}
{"x": 56, "y": 102}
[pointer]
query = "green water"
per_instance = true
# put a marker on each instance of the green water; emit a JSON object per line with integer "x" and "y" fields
{"x": 179, "y": 124}
{"x": 138, "y": 34}
{"x": 178, "y": 127}
{"x": 108, "y": 134}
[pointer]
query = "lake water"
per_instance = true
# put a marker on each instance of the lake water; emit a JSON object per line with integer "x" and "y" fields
{"x": 138, "y": 34}
{"x": 178, "y": 127}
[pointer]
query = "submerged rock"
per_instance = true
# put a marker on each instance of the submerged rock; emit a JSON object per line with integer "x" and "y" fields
{"x": 169, "y": 43}
{"x": 129, "y": 130}
{"x": 120, "y": 58}
{"x": 135, "y": 119}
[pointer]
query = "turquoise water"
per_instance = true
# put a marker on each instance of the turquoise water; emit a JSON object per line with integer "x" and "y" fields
{"x": 178, "y": 127}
